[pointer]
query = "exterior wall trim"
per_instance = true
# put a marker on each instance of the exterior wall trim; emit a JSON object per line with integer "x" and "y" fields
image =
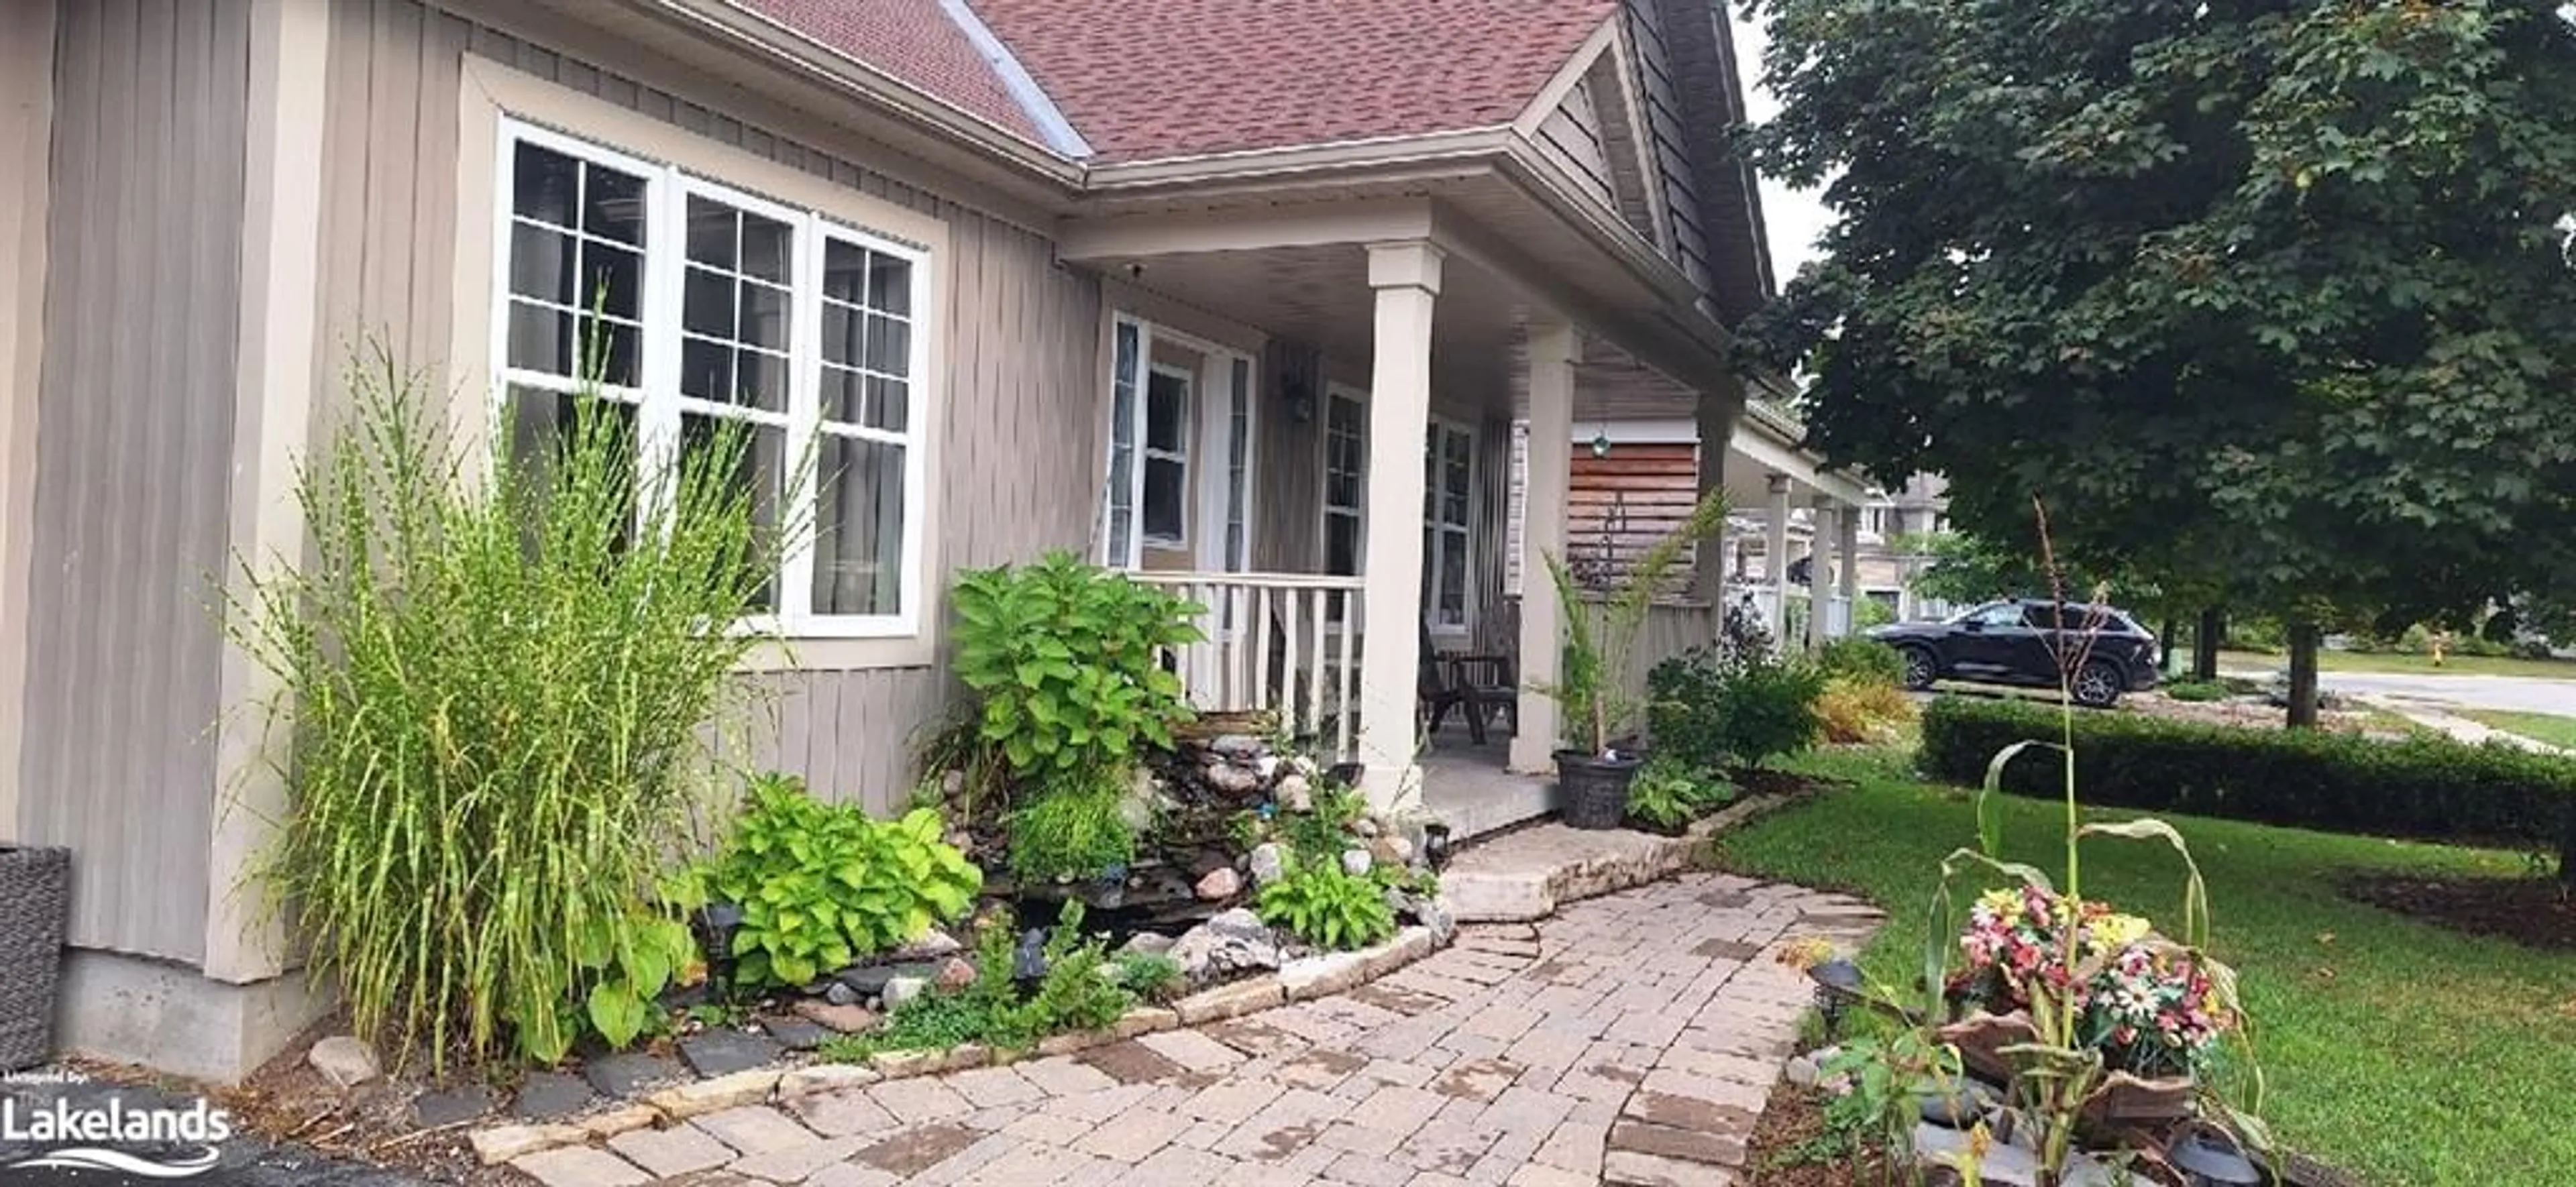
{"x": 26, "y": 156}
{"x": 1041, "y": 108}
{"x": 491, "y": 91}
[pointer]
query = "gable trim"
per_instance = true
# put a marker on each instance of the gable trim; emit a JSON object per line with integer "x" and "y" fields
{"x": 1567, "y": 77}
{"x": 1641, "y": 139}
{"x": 1060, "y": 133}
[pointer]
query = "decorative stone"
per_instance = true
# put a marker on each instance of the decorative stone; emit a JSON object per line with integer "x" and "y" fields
{"x": 839, "y": 993}
{"x": 1234, "y": 941}
{"x": 1356, "y": 862}
{"x": 450, "y": 1106}
{"x": 724, "y": 1052}
{"x": 345, "y": 1060}
{"x": 956, "y": 972}
{"x": 1220, "y": 884}
{"x": 846, "y": 1019}
{"x": 825, "y": 1077}
{"x": 501, "y": 1143}
{"x": 795, "y": 1034}
{"x": 1029, "y": 961}
{"x": 1295, "y": 793}
{"x": 627, "y": 1074}
{"x": 1434, "y": 914}
{"x": 622, "y": 1119}
{"x": 1238, "y": 746}
{"x": 1366, "y": 827}
{"x": 870, "y": 980}
{"x": 1231, "y": 1000}
{"x": 2006, "y": 1164}
{"x": 722, "y": 1092}
{"x": 1146, "y": 943}
{"x": 1233, "y": 780}
{"x": 932, "y": 945}
{"x": 1803, "y": 1070}
{"x": 1269, "y": 863}
{"x": 901, "y": 990}
{"x": 545, "y": 1096}
{"x": 1268, "y": 766}
{"x": 1392, "y": 849}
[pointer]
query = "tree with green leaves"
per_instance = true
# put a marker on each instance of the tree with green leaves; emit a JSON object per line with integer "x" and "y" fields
{"x": 2269, "y": 300}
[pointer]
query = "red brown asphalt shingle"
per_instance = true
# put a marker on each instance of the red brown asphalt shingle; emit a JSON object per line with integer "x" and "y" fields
{"x": 913, "y": 40}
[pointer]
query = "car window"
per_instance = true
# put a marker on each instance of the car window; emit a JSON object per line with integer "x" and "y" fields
{"x": 2043, "y": 617}
{"x": 1999, "y": 614}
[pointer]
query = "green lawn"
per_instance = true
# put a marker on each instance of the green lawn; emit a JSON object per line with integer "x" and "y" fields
{"x": 2539, "y": 727}
{"x": 2354, "y": 661}
{"x": 2405, "y": 1053}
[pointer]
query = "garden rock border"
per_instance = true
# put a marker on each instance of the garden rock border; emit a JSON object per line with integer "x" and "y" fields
{"x": 1296, "y": 980}
{"x": 1523, "y": 876}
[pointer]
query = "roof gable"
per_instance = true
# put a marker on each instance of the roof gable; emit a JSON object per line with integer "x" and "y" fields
{"x": 1152, "y": 79}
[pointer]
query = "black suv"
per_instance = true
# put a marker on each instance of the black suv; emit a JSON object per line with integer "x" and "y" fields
{"x": 2019, "y": 642}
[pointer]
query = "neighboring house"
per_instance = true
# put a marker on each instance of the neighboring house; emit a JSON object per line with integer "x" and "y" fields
{"x": 1186, "y": 286}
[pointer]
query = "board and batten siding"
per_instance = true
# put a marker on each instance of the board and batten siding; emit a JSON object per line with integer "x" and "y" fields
{"x": 1667, "y": 143}
{"x": 1017, "y": 468}
{"x": 135, "y": 419}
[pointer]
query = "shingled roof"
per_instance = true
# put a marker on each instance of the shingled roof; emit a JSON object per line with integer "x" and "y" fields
{"x": 917, "y": 42}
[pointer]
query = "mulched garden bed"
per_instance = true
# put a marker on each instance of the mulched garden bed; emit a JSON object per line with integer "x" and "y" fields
{"x": 2534, "y": 912}
{"x": 1792, "y": 1119}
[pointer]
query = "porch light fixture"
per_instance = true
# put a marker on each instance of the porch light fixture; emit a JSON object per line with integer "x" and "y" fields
{"x": 1300, "y": 397}
{"x": 1601, "y": 444}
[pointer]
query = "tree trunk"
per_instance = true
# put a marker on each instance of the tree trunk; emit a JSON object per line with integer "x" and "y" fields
{"x": 2165, "y": 655}
{"x": 2204, "y": 644}
{"x": 2303, "y": 675}
{"x": 2567, "y": 850}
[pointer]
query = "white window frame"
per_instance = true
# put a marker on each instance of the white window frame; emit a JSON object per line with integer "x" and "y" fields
{"x": 1442, "y": 432}
{"x": 1356, "y": 512}
{"x": 659, "y": 403}
{"x": 1224, "y": 381}
{"x": 1146, "y": 453}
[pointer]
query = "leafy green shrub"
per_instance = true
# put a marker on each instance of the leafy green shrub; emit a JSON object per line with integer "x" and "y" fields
{"x": 2198, "y": 691}
{"x": 1667, "y": 794}
{"x": 1073, "y": 829}
{"x": 1075, "y": 994}
{"x": 1151, "y": 976}
{"x": 1862, "y": 660}
{"x": 1710, "y": 710}
{"x": 2428, "y": 787}
{"x": 821, "y": 885}
{"x": 498, "y": 692}
{"x": 1066, "y": 659}
{"x": 1321, "y": 833}
{"x": 1319, "y": 903}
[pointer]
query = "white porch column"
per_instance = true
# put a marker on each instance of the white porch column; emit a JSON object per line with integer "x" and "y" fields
{"x": 1824, "y": 557}
{"x": 1551, "y": 447}
{"x": 1775, "y": 560}
{"x": 1847, "y": 548}
{"x": 1717, "y": 412}
{"x": 1406, "y": 279}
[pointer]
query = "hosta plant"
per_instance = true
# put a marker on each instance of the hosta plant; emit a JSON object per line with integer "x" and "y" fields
{"x": 821, "y": 885}
{"x": 1324, "y": 906}
{"x": 1065, "y": 660}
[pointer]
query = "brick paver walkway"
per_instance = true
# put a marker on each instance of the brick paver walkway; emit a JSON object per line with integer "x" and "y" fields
{"x": 1629, "y": 1039}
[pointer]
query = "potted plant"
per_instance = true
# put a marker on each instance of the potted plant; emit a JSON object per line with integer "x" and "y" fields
{"x": 1600, "y": 758}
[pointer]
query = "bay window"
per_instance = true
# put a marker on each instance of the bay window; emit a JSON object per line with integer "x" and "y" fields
{"x": 698, "y": 306}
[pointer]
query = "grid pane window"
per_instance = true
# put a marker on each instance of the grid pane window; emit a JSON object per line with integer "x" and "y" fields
{"x": 1167, "y": 458}
{"x": 733, "y": 333}
{"x": 1345, "y": 483}
{"x": 1448, "y": 495}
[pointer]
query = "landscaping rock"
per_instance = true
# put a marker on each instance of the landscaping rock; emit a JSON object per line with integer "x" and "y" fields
{"x": 502, "y": 1143}
{"x": 1235, "y": 941}
{"x": 724, "y": 1052}
{"x": 795, "y": 1034}
{"x": 1366, "y": 827}
{"x": 2008, "y": 1165}
{"x": 870, "y": 980}
{"x": 1238, "y": 746}
{"x": 1220, "y": 884}
{"x": 901, "y": 990}
{"x": 1147, "y": 943}
{"x": 1295, "y": 793}
{"x": 1804, "y": 1070}
{"x": 932, "y": 945}
{"x": 449, "y": 1106}
{"x": 627, "y": 1074}
{"x": 1268, "y": 861}
{"x": 722, "y": 1092}
{"x": 1356, "y": 862}
{"x": 345, "y": 1060}
{"x": 1393, "y": 849}
{"x": 956, "y": 972}
{"x": 1232, "y": 780}
{"x": 548, "y": 1095}
{"x": 846, "y": 1019}
{"x": 1028, "y": 961}
{"x": 839, "y": 993}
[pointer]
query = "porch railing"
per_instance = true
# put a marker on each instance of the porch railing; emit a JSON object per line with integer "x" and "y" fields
{"x": 1281, "y": 642}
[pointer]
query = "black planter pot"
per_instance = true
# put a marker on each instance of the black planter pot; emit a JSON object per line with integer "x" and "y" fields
{"x": 1595, "y": 788}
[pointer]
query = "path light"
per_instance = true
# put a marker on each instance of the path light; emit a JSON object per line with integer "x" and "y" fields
{"x": 716, "y": 924}
{"x": 1435, "y": 845}
{"x": 1837, "y": 987}
{"x": 2211, "y": 1162}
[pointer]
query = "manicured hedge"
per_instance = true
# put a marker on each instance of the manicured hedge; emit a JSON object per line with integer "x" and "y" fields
{"x": 2429, "y": 788}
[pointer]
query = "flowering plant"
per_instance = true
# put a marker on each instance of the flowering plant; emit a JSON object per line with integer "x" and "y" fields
{"x": 2147, "y": 1004}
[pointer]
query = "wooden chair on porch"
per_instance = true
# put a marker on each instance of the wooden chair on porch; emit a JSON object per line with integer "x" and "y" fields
{"x": 1478, "y": 684}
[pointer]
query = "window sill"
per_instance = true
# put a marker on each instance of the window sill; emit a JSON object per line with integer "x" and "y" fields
{"x": 840, "y": 654}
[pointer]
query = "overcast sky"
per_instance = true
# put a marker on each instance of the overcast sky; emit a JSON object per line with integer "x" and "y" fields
{"x": 1792, "y": 219}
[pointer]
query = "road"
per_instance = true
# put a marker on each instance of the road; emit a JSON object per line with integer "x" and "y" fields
{"x": 2515, "y": 693}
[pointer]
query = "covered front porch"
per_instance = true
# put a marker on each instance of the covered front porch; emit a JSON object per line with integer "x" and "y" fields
{"x": 1276, "y": 369}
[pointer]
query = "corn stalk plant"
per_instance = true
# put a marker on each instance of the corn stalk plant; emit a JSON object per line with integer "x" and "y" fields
{"x": 1592, "y": 683}
{"x": 502, "y": 679}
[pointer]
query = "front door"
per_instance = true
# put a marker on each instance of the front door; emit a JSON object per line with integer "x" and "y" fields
{"x": 1180, "y": 455}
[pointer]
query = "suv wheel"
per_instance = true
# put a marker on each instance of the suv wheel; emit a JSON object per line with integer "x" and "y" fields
{"x": 2098, "y": 685}
{"x": 1920, "y": 668}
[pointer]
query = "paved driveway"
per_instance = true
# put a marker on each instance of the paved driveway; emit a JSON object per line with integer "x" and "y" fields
{"x": 1630, "y": 1039}
{"x": 2524, "y": 694}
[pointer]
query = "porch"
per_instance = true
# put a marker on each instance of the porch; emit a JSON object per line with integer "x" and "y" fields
{"x": 1274, "y": 370}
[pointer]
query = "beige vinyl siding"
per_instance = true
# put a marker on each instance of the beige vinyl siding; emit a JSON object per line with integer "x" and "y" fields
{"x": 1288, "y": 477}
{"x": 1667, "y": 147}
{"x": 1017, "y": 472}
{"x": 135, "y": 403}
{"x": 1571, "y": 136}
